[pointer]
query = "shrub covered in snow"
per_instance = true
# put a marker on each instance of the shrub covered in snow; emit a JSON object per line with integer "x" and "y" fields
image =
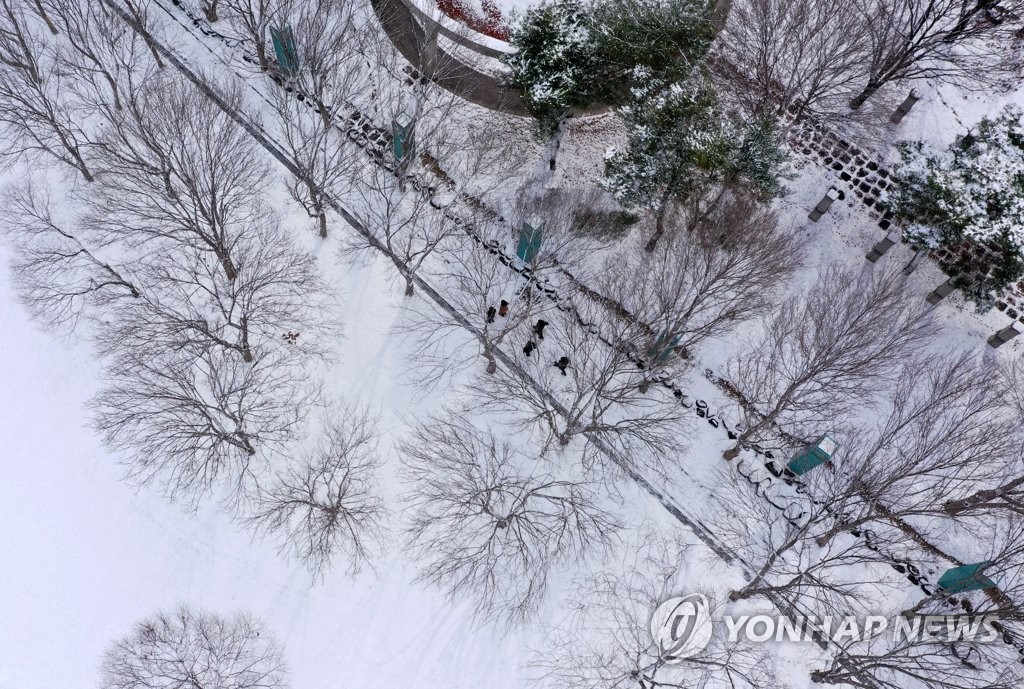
{"x": 971, "y": 192}
{"x": 573, "y": 54}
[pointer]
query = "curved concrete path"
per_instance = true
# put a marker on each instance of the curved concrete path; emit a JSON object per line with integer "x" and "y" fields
{"x": 420, "y": 50}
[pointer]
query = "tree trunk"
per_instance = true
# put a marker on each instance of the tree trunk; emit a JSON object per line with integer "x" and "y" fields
{"x": 734, "y": 451}
{"x": 325, "y": 114}
{"x": 82, "y": 167}
{"x": 955, "y": 507}
{"x": 323, "y": 224}
{"x": 261, "y": 53}
{"x": 45, "y": 18}
{"x": 862, "y": 97}
{"x": 957, "y": 31}
{"x": 247, "y": 356}
{"x": 153, "y": 49}
{"x": 229, "y": 267}
{"x": 659, "y": 222}
{"x": 409, "y": 288}
{"x": 210, "y": 10}
{"x": 113, "y": 90}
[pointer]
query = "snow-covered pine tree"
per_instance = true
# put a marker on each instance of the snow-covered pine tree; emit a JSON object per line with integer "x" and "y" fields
{"x": 972, "y": 191}
{"x": 668, "y": 37}
{"x": 682, "y": 148}
{"x": 554, "y": 61}
{"x": 575, "y": 53}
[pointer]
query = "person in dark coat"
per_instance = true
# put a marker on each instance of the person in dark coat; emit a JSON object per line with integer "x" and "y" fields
{"x": 530, "y": 346}
{"x": 562, "y": 364}
{"x": 503, "y": 311}
{"x": 538, "y": 328}
{"x": 490, "y": 314}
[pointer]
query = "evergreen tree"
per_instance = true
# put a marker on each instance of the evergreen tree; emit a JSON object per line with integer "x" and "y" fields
{"x": 555, "y": 61}
{"x": 574, "y": 54}
{"x": 971, "y": 192}
{"x": 682, "y": 148}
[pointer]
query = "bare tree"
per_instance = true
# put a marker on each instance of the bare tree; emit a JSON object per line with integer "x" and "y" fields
{"x": 490, "y": 522}
{"x": 277, "y": 301}
{"x": 191, "y": 424}
{"x": 102, "y": 58}
{"x": 606, "y": 641}
{"x": 479, "y": 274}
{"x": 803, "y": 56}
{"x": 569, "y": 221}
{"x": 945, "y": 430}
{"x": 328, "y": 35}
{"x": 698, "y": 285}
{"x": 416, "y": 205}
{"x": 328, "y": 506}
{"x": 922, "y": 660}
{"x": 946, "y": 40}
{"x": 322, "y": 156}
{"x": 38, "y": 119}
{"x": 60, "y": 274}
{"x": 402, "y": 220}
{"x": 1000, "y": 546}
{"x": 1006, "y": 494}
{"x": 597, "y": 399}
{"x": 178, "y": 169}
{"x": 841, "y": 578}
{"x": 137, "y": 13}
{"x": 826, "y": 352}
{"x": 188, "y": 648}
{"x": 477, "y": 282}
{"x": 254, "y": 18}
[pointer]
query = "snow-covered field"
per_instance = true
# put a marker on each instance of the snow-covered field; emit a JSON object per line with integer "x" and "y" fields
{"x": 84, "y": 555}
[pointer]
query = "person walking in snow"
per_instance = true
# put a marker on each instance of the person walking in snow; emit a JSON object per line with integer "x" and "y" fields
{"x": 562, "y": 364}
{"x": 530, "y": 346}
{"x": 503, "y": 311}
{"x": 538, "y": 329}
{"x": 490, "y": 314}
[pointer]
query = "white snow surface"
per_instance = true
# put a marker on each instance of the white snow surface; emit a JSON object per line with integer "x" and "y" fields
{"x": 83, "y": 555}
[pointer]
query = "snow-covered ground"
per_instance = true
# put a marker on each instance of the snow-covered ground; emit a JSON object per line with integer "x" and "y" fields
{"x": 84, "y": 556}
